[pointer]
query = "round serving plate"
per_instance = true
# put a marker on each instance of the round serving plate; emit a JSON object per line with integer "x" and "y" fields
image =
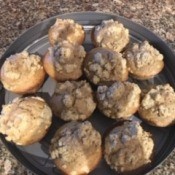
{"x": 36, "y": 157}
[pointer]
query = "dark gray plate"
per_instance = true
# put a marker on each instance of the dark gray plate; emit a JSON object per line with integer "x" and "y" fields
{"x": 36, "y": 157}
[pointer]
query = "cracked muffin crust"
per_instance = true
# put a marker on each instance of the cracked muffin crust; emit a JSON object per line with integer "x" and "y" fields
{"x": 143, "y": 60}
{"x": 110, "y": 34}
{"x": 66, "y": 29}
{"x": 73, "y": 100}
{"x": 25, "y": 121}
{"x": 128, "y": 147}
{"x": 158, "y": 106}
{"x": 76, "y": 148}
{"x": 120, "y": 100}
{"x": 64, "y": 61}
{"x": 22, "y": 73}
{"x": 103, "y": 66}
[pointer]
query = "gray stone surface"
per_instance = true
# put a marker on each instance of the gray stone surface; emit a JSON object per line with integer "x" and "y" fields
{"x": 18, "y": 15}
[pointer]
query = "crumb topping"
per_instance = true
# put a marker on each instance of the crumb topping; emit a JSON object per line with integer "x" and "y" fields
{"x": 161, "y": 100}
{"x": 76, "y": 99}
{"x": 117, "y": 98}
{"x": 125, "y": 133}
{"x": 143, "y": 54}
{"x": 128, "y": 146}
{"x": 111, "y": 34}
{"x": 74, "y": 143}
{"x": 67, "y": 57}
{"x": 21, "y": 68}
{"x": 21, "y": 65}
{"x": 65, "y": 29}
{"x": 106, "y": 66}
{"x": 24, "y": 115}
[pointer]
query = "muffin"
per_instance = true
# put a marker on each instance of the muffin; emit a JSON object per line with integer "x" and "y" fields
{"x": 76, "y": 148}
{"x": 64, "y": 61}
{"x": 128, "y": 147}
{"x": 110, "y": 34}
{"x": 25, "y": 121}
{"x": 73, "y": 100}
{"x": 22, "y": 73}
{"x": 158, "y": 106}
{"x": 103, "y": 66}
{"x": 120, "y": 100}
{"x": 66, "y": 29}
{"x": 143, "y": 60}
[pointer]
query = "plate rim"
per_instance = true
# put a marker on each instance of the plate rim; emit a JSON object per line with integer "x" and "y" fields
{"x": 10, "y": 146}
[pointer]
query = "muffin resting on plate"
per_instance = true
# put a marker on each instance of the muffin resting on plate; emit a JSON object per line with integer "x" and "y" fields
{"x": 158, "y": 106}
{"x": 76, "y": 148}
{"x": 110, "y": 34}
{"x": 120, "y": 100}
{"x": 103, "y": 66}
{"x": 25, "y": 121}
{"x": 64, "y": 61}
{"x": 73, "y": 100}
{"x": 22, "y": 73}
{"x": 144, "y": 61}
{"x": 128, "y": 147}
{"x": 66, "y": 29}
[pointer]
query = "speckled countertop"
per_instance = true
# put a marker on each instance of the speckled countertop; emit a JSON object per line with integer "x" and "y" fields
{"x": 18, "y": 15}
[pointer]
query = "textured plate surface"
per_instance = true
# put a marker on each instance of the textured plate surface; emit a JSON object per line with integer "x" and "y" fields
{"x": 35, "y": 40}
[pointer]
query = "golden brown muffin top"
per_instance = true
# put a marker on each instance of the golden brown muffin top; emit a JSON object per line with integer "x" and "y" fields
{"x": 127, "y": 147}
{"x": 66, "y": 29}
{"x": 160, "y": 100}
{"x": 74, "y": 143}
{"x": 73, "y": 100}
{"x": 142, "y": 54}
{"x": 117, "y": 97}
{"x": 111, "y": 34}
{"x": 104, "y": 65}
{"x": 67, "y": 57}
{"x": 20, "y": 66}
{"x": 24, "y": 115}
